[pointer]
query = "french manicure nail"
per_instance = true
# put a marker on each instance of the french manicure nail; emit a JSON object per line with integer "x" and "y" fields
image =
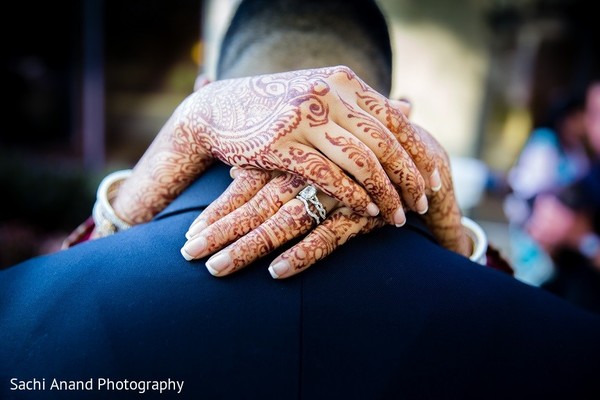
{"x": 186, "y": 255}
{"x": 422, "y": 205}
{"x": 195, "y": 247}
{"x": 279, "y": 268}
{"x": 218, "y": 263}
{"x": 399, "y": 217}
{"x": 372, "y": 209}
{"x": 435, "y": 181}
{"x": 196, "y": 227}
{"x": 234, "y": 172}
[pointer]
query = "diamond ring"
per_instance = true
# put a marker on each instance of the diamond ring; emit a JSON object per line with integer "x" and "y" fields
{"x": 308, "y": 196}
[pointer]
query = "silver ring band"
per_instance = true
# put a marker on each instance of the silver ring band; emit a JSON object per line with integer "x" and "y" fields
{"x": 308, "y": 196}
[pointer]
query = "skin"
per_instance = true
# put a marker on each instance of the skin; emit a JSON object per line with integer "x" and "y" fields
{"x": 259, "y": 213}
{"x": 323, "y": 125}
{"x": 316, "y": 125}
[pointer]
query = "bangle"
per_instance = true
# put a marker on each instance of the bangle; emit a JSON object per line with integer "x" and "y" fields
{"x": 589, "y": 245}
{"x": 479, "y": 238}
{"x": 106, "y": 220}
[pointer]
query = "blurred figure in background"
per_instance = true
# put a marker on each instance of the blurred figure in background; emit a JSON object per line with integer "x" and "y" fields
{"x": 567, "y": 225}
{"x": 554, "y": 156}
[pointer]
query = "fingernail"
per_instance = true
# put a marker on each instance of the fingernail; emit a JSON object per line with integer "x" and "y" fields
{"x": 435, "y": 181}
{"x": 196, "y": 227}
{"x": 422, "y": 205}
{"x": 218, "y": 263}
{"x": 234, "y": 172}
{"x": 372, "y": 209}
{"x": 399, "y": 217}
{"x": 186, "y": 255}
{"x": 279, "y": 268}
{"x": 194, "y": 248}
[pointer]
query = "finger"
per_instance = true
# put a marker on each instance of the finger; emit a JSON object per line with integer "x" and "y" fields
{"x": 336, "y": 230}
{"x": 444, "y": 216}
{"x": 234, "y": 172}
{"x": 239, "y": 192}
{"x": 378, "y": 137}
{"x": 393, "y": 119}
{"x": 403, "y": 105}
{"x": 242, "y": 220}
{"x": 289, "y": 222}
{"x": 354, "y": 157}
{"x": 394, "y": 159}
{"x": 313, "y": 166}
{"x": 435, "y": 152}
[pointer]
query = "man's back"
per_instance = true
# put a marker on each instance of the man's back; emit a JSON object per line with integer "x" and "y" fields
{"x": 390, "y": 315}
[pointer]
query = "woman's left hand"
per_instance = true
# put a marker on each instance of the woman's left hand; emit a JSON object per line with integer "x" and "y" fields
{"x": 259, "y": 212}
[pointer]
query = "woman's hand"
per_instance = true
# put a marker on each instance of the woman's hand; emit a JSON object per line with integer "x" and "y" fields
{"x": 324, "y": 125}
{"x": 259, "y": 213}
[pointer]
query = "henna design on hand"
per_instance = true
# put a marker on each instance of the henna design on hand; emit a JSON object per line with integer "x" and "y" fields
{"x": 341, "y": 226}
{"x": 381, "y": 190}
{"x": 289, "y": 222}
{"x": 272, "y": 122}
{"x": 266, "y": 202}
{"x": 171, "y": 163}
{"x": 444, "y": 215}
{"x": 245, "y": 186}
{"x": 267, "y": 122}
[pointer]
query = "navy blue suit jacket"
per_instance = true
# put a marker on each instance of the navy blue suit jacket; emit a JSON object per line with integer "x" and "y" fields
{"x": 390, "y": 315}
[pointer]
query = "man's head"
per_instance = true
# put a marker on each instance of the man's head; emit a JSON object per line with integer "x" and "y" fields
{"x": 268, "y": 36}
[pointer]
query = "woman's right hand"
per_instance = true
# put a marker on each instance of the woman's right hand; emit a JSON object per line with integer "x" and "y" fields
{"x": 323, "y": 125}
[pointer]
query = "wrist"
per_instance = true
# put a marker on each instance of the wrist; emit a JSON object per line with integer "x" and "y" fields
{"x": 105, "y": 218}
{"x": 478, "y": 238}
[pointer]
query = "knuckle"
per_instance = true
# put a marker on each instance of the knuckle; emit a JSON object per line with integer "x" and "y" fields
{"x": 256, "y": 206}
{"x": 342, "y": 73}
{"x": 390, "y": 151}
{"x": 342, "y": 226}
{"x": 344, "y": 69}
{"x": 219, "y": 234}
{"x": 280, "y": 189}
{"x": 250, "y": 180}
{"x": 293, "y": 217}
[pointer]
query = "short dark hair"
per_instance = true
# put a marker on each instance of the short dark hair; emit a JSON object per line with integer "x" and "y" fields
{"x": 255, "y": 20}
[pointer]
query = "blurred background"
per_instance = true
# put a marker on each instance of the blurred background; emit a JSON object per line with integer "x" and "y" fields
{"x": 88, "y": 84}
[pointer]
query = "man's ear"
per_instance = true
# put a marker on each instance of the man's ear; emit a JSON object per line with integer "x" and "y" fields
{"x": 201, "y": 81}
